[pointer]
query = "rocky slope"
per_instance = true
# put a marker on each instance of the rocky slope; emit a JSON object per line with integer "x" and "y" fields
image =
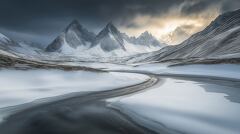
{"x": 220, "y": 40}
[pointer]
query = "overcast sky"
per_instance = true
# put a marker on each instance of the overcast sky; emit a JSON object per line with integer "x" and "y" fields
{"x": 169, "y": 20}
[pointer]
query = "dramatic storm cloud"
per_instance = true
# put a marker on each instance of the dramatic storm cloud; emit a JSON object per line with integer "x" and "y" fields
{"x": 171, "y": 21}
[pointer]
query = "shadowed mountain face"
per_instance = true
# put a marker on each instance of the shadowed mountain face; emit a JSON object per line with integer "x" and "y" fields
{"x": 109, "y": 39}
{"x": 73, "y": 36}
{"x": 219, "y": 40}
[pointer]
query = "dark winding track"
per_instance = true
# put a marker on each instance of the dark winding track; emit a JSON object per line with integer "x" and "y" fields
{"x": 87, "y": 114}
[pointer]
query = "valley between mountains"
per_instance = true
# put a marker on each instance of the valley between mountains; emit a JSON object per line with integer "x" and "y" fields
{"x": 111, "y": 83}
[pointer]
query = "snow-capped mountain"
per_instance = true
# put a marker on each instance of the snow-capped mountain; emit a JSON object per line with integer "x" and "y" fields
{"x": 74, "y": 37}
{"x": 6, "y": 43}
{"x": 221, "y": 39}
{"x": 146, "y": 39}
{"x": 112, "y": 42}
{"x": 24, "y": 50}
{"x": 109, "y": 39}
{"x": 9, "y": 47}
{"x": 76, "y": 40}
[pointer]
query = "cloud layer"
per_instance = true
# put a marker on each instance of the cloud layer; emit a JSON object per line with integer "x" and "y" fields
{"x": 42, "y": 20}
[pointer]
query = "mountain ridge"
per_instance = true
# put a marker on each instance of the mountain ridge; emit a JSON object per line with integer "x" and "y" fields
{"x": 109, "y": 39}
{"x": 221, "y": 38}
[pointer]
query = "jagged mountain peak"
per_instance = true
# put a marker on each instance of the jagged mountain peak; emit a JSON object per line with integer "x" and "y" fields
{"x": 110, "y": 24}
{"x": 72, "y": 37}
{"x": 109, "y": 38}
{"x": 110, "y": 28}
{"x": 75, "y": 21}
{"x": 74, "y": 25}
{"x": 146, "y": 34}
{"x": 78, "y": 28}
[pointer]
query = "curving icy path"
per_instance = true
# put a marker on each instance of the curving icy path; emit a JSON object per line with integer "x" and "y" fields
{"x": 86, "y": 113}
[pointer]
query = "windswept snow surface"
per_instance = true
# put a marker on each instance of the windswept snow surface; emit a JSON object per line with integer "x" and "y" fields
{"x": 215, "y": 70}
{"x": 197, "y": 104}
{"x": 19, "y": 87}
{"x": 200, "y": 106}
{"x": 212, "y": 70}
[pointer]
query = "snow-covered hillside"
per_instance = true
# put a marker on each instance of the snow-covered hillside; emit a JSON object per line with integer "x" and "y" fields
{"x": 219, "y": 40}
{"x": 6, "y": 43}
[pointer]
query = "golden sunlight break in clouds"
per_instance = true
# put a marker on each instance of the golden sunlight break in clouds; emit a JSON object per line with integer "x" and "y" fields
{"x": 173, "y": 27}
